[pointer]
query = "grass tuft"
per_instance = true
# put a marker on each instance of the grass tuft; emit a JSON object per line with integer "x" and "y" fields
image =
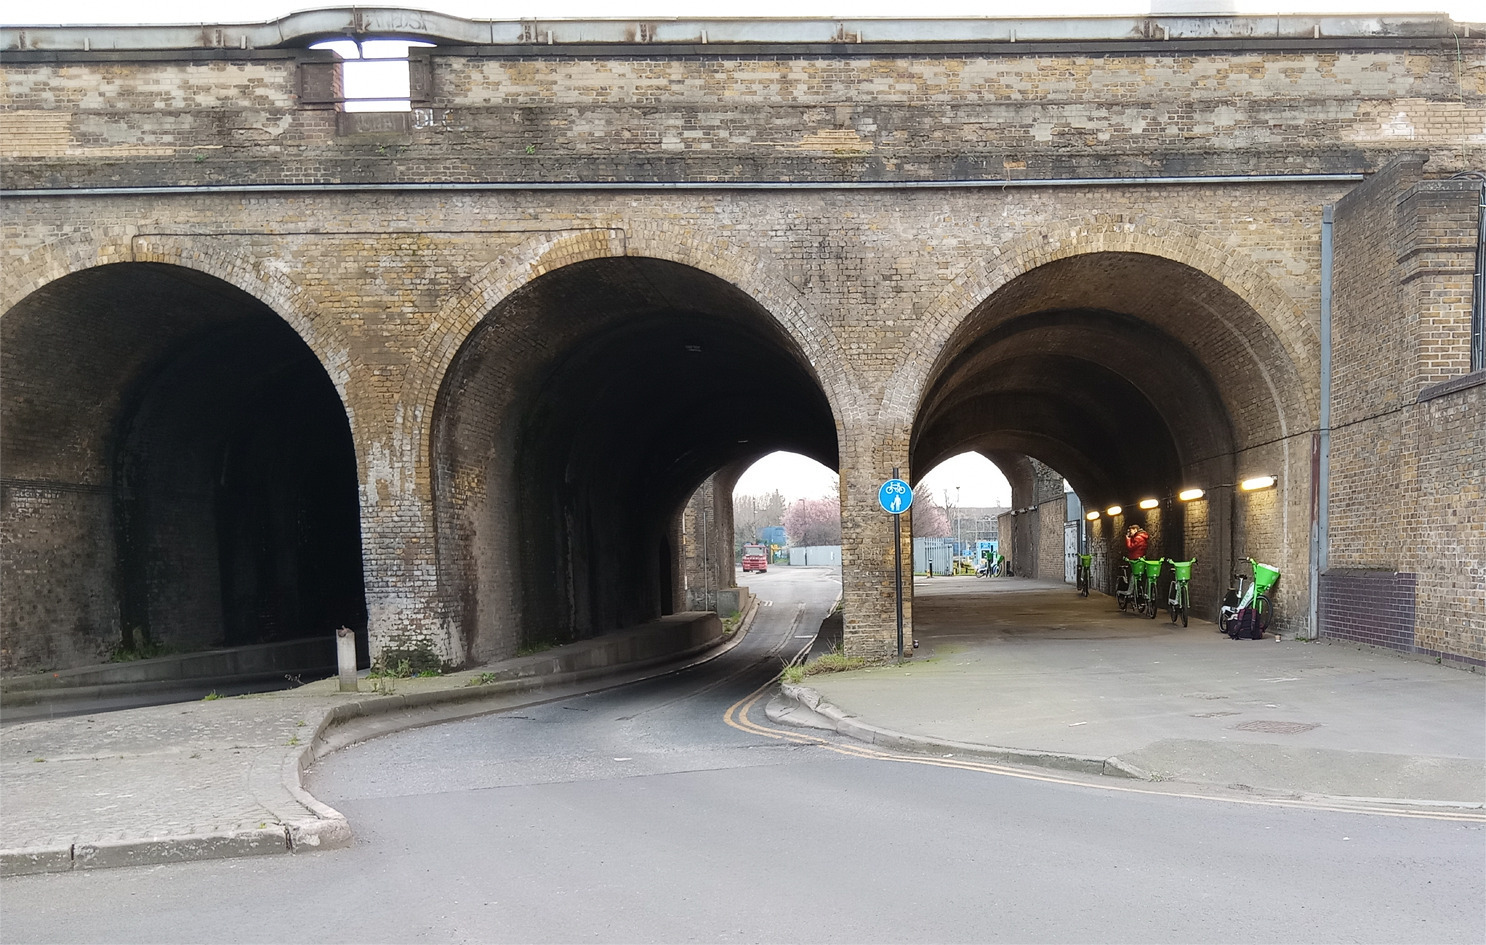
{"x": 826, "y": 663}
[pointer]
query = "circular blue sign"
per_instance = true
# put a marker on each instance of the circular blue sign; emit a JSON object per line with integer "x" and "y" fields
{"x": 895, "y": 496}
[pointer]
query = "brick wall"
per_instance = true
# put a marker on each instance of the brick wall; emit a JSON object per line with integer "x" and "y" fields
{"x": 1167, "y": 333}
{"x": 656, "y": 116}
{"x": 1373, "y": 607}
{"x": 707, "y": 561}
{"x": 1408, "y": 441}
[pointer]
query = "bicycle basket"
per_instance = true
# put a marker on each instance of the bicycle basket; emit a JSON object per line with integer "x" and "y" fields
{"x": 1265, "y": 577}
{"x": 1152, "y": 567}
{"x": 1086, "y": 560}
{"x": 1183, "y": 569}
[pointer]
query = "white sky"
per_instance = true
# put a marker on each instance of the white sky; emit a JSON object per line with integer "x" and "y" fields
{"x": 257, "y": 11}
{"x": 796, "y": 476}
{"x": 971, "y": 481}
{"x": 975, "y": 479}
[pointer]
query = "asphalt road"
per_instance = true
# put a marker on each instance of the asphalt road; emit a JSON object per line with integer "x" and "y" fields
{"x": 672, "y": 810}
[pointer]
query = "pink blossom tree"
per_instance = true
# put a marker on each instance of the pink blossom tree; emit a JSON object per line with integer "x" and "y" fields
{"x": 813, "y": 522}
{"x": 929, "y": 517}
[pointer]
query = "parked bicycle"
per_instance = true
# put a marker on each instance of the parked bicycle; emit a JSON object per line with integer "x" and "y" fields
{"x": 1137, "y": 587}
{"x": 1246, "y": 608}
{"x": 1085, "y": 574}
{"x": 1152, "y": 574}
{"x": 1179, "y": 599}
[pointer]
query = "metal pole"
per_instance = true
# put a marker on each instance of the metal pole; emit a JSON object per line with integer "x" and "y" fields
{"x": 898, "y": 571}
{"x": 1321, "y": 500}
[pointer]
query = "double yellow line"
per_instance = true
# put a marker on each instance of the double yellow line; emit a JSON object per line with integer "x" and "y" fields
{"x": 737, "y": 714}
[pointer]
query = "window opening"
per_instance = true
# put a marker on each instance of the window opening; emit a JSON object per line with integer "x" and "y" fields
{"x": 374, "y": 73}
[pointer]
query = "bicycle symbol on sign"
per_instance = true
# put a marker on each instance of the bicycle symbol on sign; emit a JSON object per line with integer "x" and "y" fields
{"x": 895, "y": 496}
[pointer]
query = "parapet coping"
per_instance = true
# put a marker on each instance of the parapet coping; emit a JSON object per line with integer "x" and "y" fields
{"x": 1453, "y": 386}
{"x": 668, "y": 36}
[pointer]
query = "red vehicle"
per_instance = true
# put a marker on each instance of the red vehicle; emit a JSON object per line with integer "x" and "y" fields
{"x": 755, "y": 558}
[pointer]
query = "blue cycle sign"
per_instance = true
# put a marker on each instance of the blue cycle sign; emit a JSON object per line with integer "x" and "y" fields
{"x": 895, "y": 496}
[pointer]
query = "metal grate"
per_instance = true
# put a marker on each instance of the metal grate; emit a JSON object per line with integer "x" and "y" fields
{"x": 1277, "y": 728}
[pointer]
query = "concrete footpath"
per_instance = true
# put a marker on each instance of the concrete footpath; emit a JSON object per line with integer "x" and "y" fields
{"x": 222, "y": 777}
{"x": 1027, "y": 672}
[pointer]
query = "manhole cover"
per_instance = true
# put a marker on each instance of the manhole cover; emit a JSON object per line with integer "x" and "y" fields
{"x": 1277, "y": 728}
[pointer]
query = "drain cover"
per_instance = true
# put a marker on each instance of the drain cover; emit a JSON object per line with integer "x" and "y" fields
{"x": 1277, "y": 728}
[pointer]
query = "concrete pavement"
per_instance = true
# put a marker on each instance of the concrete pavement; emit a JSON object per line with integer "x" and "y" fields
{"x": 1027, "y": 671}
{"x": 222, "y": 777}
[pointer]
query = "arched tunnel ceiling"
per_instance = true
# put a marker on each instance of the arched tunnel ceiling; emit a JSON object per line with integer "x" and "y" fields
{"x": 637, "y": 371}
{"x": 672, "y": 399}
{"x": 95, "y": 337}
{"x": 1117, "y": 369}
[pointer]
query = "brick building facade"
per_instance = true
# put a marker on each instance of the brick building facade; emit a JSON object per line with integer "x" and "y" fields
{"x": 518, "y": 325}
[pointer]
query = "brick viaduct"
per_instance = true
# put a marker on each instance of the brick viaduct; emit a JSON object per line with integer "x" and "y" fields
{"x": 453, "y": 373}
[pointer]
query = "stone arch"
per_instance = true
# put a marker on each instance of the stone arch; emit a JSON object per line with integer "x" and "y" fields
{"x": 1167, "y": 239}
{"x": 120, "y": 245}
{"x": 1156, "y": 357}
{"x": 541, "y": 445}
{"x": 464, "y": 311}
{"x": 215, "y": 417}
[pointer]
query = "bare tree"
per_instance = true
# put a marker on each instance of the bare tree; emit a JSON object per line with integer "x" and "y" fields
{"x": 753, "y": 513}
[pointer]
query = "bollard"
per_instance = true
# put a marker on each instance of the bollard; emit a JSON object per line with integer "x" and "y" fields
{"x": 345, "y": 657}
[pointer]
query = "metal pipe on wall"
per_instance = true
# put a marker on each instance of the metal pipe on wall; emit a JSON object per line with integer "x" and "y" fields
{"x": 1320, "y": 526}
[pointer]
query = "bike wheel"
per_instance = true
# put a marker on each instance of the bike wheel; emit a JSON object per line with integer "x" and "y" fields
{"x": 1123, "y": 600}
{"x": 1261, "y": 616}
{"x": 1152, "y": 604}
{"x": 1173, "y": 604}
{"x": 1184, "y": 605}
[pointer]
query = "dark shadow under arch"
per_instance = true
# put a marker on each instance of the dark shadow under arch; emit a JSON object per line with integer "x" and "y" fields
{"x": 574, "y": 425}
{"x": 192, "y": 459}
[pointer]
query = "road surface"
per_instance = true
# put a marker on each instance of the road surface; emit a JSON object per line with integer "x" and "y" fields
{"x": 672, "y": 810}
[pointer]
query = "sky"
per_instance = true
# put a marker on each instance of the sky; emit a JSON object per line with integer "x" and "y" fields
{"x": 257, "y": 11}
{"x": 973, "y": 478}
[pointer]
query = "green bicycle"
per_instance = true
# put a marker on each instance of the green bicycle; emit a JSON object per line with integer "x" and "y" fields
{"x": 1085, "y": 574}
{"x": 1179, "y": 600}
{"x": 1137, "y": 587}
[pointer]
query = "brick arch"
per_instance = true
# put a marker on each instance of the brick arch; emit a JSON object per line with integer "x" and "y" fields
{"x": 462, "y": 314}
{"x": 148, "y": 547}
{"x": 1279, "y": 314}
{"x": 57, "y": 260}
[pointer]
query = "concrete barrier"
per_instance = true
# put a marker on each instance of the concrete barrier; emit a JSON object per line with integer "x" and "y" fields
{"x": 312, "y": 656}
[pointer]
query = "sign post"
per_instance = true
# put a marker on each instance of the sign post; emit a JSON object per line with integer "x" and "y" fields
{"x": 895, "y": 496}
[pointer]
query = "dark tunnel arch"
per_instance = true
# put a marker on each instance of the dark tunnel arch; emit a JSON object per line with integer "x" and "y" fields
{"x": 595, "y": 400}
{"x": 1060, "y": 382}
{"x": 1133, "y": 376}
{"x": 192, "y": 460}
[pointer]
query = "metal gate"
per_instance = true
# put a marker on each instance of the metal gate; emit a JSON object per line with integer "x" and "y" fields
{"x": 1070, "y": 552}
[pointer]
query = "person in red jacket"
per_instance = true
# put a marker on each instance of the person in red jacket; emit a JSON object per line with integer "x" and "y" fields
{"x": 1136, "y": 541}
